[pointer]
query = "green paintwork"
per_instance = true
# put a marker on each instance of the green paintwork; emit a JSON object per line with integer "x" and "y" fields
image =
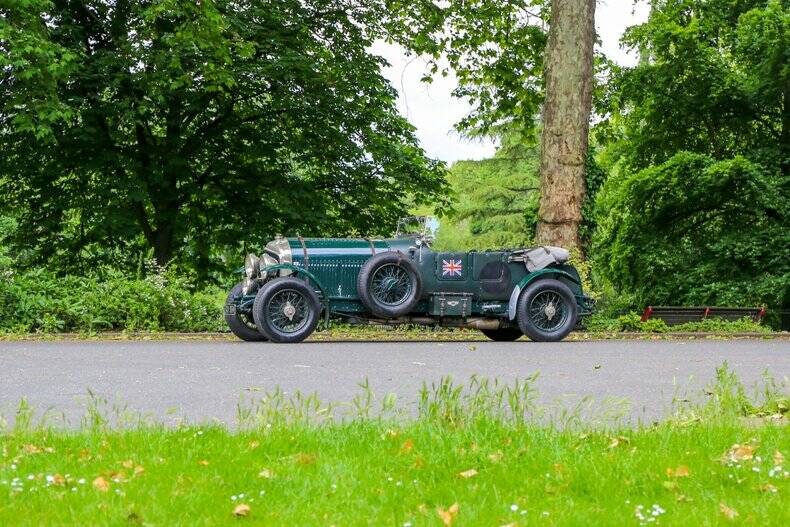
{"x": 333, "y": 264}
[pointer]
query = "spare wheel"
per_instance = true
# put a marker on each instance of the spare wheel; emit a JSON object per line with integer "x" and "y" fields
{"x": 389, "y": 284}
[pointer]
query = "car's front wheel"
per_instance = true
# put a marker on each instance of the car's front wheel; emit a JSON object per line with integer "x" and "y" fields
{"x": 241, "y": 324}
{"x": 286, "y": 310}
{"x": 547, "y": 310}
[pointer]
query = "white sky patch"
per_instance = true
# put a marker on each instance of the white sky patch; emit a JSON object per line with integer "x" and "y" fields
{"x": 432, "y": 109}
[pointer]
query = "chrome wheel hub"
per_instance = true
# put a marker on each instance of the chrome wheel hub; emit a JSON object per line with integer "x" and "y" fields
{"x": 289, "y": 311}
{"x": 550, "y": 310}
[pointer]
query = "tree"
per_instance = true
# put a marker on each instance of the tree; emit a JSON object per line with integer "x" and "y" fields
{"x": 508, "y": 70}
{"x": 495, "y": 201}
{"x": 566, "y": 115}
{"x": 697, "y": 206}
{"x": 187, "y": 126}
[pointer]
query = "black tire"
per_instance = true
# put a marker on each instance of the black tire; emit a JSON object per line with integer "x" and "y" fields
{"x": 534, "y": 317}
{"x": 389, "y": 284}
{"x": 503, "y": 334}
{"x": 241, "y": 325}
{"x": 271, "y": 314}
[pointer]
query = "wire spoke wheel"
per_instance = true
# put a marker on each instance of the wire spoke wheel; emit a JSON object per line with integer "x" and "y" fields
{"x": 288, "y": 311}
{"x": 391, "y": 285}
{"x": 247, "y": 320}
{"x": 548, "y": 310}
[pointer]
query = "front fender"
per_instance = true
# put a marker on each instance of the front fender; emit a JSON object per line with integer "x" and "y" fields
{"x": 531, "y": 277}
{"x": 298, "y": 271}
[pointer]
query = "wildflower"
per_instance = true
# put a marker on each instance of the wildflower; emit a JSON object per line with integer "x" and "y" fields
{"x": 514, "y": 507}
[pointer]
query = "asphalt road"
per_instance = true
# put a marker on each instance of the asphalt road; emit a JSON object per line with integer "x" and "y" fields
{"x": 204, "y": 380}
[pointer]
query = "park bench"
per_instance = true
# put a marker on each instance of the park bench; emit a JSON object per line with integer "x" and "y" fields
{"x": 673, "y": 315}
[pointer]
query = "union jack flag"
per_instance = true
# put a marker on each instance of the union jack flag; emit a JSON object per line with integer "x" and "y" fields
{"x": 452, "y": 268}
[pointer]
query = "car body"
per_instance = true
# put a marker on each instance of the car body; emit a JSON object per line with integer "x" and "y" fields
{"x": 297, "y": 282}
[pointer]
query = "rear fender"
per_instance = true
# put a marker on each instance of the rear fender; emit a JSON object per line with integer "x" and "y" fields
{"x": 531, "y": 277}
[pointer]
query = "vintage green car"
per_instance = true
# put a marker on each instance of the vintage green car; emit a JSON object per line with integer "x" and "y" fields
{"x": 503, "y": 293}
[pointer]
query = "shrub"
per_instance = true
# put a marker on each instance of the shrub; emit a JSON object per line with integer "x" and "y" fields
{"x": 696, "y": 231}
{"x": 39, "y": 301}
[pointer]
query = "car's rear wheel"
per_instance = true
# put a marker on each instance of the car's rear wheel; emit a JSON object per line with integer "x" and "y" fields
{"x": 503, "y": 334}
{"x": 389, "y": 284}
{"x": 286, "y": 310}
{"x": 547, "y": 310}
{"x": 241, "y": 324}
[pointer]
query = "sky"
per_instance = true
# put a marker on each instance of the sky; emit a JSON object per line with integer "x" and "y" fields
{"x": 433, "y": 111}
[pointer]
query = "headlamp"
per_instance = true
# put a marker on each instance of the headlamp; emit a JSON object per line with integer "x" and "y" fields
{"x": 252, "y": 266}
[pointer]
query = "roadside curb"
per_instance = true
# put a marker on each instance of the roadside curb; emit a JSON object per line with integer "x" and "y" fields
{"x": 322, "y": 336}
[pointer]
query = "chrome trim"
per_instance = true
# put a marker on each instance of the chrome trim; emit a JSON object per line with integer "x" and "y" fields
{"x": 282, "y": 249}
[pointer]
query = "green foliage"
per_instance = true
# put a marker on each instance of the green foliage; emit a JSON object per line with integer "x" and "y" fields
{"x": 632, "y": 321}
{"x": 696, "y": 231}
{"x": 713, "y": 79}
{"x": 7, "y": 228}
{"x": 495, "y": 201}
{"x": 185, "y": 127}
{"x": 39, "y": 301}
{"x": 494, "y": 48}
{"x": 697, "y": 206}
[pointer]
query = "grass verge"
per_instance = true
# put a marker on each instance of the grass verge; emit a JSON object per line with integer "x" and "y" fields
{"x": 480, "y": 454}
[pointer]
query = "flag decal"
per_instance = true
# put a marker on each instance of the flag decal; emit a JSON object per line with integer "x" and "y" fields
{"x": 451, "y": 268}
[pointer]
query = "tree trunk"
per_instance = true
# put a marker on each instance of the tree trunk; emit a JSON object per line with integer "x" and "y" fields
{"x": 566, "y": 120}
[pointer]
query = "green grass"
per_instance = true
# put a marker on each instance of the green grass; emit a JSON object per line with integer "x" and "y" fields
{"x": 293, "y": 463}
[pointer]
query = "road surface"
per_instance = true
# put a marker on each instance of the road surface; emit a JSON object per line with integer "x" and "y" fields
{"x": 204, "y": 380}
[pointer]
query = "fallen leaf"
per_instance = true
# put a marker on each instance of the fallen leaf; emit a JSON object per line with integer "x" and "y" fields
{"x": 681, "y": 472}
{"x": 768, "y": 488}
{"x": 558, "y": 468}
{"x": 138, "y": 470}
{"x": 513, "y": 524}
{"x": 407, "y": 446}
{"x": 30, "y": 449}
{"x": 254, "y": 444}
{"x": 266, "y": 474}
{"x": 683, "y": 498}
{"x": 739, "y": 453}
{"x": 617, "y": 441}
{"x": 58, "y": 480}
{"x": 117, "y": 476}
{"x": 305, "y": 459}
{"x": 472, "y": 348}
{"x": 597, "y": 367}
{"x": 495, "y": 457}
{"x": 101, "y": 484}
{"x": 242, "y": 509}
{"x": 466, "y": 474}
{"x": 127, "y": 464}
{"x": 448, "y": 516}
{"x": 203, "y": 462}
{"x": 778, "y": 458}
{"x": 728, "y": 513}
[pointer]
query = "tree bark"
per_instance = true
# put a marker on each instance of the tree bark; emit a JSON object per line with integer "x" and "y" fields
{"x": 568, "y": 72}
